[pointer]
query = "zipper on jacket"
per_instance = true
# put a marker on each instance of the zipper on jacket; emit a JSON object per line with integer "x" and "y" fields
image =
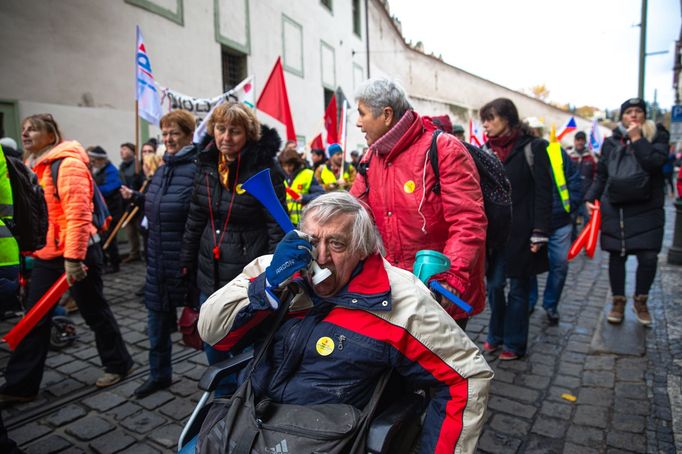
{"x": 622, "y": 233}
{"x": 341, "y": 339}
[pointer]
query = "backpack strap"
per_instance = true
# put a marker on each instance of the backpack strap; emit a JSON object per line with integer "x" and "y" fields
{"x": 528, "y": 152}
{"x": 363, "y": 167}
{"x": 433, "y": 158}
{"x": 54, "y": 170}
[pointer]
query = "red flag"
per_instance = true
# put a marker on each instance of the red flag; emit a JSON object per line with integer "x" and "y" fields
{"x": 274, "y": 100}
{"x": 317, "y": 143}
{"x": 330, "y": 122}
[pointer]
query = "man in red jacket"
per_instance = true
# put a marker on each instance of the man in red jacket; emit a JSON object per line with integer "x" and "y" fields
{"x": 398, "y": 188}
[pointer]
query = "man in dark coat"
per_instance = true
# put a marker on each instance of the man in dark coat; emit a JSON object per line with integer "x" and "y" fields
{"x": 131, "y": 178}
{"x": 108, "y": 181}
{"x": 587, "y": 167}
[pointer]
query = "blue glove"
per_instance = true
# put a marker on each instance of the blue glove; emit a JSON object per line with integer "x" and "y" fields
{"x": 293, "y": 254}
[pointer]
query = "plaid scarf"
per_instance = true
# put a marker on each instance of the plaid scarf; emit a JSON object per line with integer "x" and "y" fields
{"x": 389, "y": 140}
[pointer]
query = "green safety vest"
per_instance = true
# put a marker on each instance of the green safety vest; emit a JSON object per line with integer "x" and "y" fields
{"x": 557, "y": 162}
{"x": 301, "y": 185}
{"x": 9, "y": 249}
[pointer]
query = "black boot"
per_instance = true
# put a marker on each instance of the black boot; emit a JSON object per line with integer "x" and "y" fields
{"x": 151, "y": 386}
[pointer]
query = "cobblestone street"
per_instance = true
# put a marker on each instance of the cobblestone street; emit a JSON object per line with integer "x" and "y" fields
{"x": 575, "y": 392}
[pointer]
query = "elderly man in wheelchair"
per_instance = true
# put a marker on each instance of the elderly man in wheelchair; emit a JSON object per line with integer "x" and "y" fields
{"x": 346, "y": 357}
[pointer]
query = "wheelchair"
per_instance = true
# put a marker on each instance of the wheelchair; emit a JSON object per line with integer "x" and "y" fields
{"x": 394, "y": 429}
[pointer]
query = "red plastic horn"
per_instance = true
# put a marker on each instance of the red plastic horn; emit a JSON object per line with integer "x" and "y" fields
{"x": 595, "y": 226}
{"x": 37, "y": 312}
{"x": 579, "y": 243}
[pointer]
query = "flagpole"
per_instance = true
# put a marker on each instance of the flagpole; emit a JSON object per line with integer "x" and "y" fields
{"x": 137, "y": 137}
{"x": 344, "y": 111}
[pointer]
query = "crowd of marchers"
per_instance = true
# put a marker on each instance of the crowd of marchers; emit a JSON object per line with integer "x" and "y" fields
{"x": 351, "y": 272}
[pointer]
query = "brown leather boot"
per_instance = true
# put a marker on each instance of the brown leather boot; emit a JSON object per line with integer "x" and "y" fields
{"x": 617, "y": 310}
{"x": 641, "y": 311}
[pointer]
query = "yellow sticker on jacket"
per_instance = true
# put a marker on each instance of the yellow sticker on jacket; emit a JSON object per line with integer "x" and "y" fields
{"x": 240, "y": 191}
{"x": 409, "y": 186}
{"x": 325, "y": 346}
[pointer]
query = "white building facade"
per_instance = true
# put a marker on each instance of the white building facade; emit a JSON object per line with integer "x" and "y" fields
{"x": 75, "y": 59}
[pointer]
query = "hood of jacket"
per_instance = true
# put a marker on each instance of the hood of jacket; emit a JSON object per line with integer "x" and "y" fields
{"x": 260, "y": 153}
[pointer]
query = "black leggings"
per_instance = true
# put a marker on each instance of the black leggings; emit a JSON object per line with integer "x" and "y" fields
{"x": 646, "y": 272}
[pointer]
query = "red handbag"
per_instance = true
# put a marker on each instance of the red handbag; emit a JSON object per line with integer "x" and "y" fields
{"x": 188, "y": 327}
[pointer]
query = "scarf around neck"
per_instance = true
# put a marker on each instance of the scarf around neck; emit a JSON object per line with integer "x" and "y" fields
{"x": 389, "y": 140}
{"x": 503, "y": 145}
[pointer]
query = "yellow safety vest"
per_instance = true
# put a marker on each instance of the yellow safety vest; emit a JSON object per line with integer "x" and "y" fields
{"x": 328, "y": 177}
{"x": 557, "y": 162}
{"x": 9, "y": 249}
{"x": 301, "y": 185}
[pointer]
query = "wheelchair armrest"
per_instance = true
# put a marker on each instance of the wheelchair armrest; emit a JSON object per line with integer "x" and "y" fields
{"x": 216, "y": 372}
{"x": 400, "y": 419}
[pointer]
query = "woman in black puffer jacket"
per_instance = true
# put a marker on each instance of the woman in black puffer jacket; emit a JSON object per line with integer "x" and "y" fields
{"x": 632, "y": 212}
{"x": 226, "y": 227}
{"x": 166, "y": 204}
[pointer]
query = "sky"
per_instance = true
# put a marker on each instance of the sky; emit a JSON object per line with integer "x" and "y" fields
{"x": 586, "y": 52}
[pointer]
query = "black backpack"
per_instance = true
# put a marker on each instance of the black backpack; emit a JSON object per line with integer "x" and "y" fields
{"x": 101, "y": 217}
{"x": 495, "y": 188}
{"x": 29, "y": 225}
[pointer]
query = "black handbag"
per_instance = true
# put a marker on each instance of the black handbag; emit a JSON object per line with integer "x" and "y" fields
{"x": 628, "y": 181}
{"x": 243, "y": 425}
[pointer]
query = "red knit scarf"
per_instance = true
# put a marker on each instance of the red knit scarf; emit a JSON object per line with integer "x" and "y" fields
{"x": 503, "y": 145}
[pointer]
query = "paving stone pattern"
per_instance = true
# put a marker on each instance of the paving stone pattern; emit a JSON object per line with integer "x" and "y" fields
{"x": 621, "y": 403}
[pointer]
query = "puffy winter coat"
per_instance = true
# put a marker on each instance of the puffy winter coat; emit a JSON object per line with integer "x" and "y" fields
{"x": 384, "y": 318}
{"x": 166, "y": 206}
{"x": 69, "y": 216}
{"x": 411, "y": 217}
{"x": 635, "y": 226}
{"x": 531, "y": 207}
{"x": 250, "y": 232}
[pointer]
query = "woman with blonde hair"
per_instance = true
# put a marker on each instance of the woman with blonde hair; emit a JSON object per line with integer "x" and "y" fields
{"x": 630, "y": 186}
{"x": 226, "y": 227}
{"x": 72, "y": 248}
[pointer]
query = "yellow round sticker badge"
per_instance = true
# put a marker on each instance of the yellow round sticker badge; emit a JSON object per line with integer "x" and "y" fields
{"x": 240, "y": 191}
{"x": 409, "y": 186}
{"x": 325, "y": 346}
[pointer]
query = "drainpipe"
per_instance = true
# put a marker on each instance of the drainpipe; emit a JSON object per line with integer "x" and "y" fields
{"x": 367, "y": 33}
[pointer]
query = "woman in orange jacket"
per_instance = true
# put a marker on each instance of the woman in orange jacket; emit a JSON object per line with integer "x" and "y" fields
{"x": 72, "y": 247}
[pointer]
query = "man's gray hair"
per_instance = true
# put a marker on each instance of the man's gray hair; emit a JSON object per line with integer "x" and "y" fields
{"x": 380, "y": 93}
{"x": 365, "y": 238}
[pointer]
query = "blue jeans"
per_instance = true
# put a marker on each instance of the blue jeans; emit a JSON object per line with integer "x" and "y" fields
{"x": 228, "y": 385}
{"x": 160, "y": 324}
{"x": 557, "y": 249}
{"x": 508, "y": 324}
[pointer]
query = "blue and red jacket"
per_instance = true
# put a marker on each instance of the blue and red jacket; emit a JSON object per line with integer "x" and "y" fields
{"x": 383, "y": 318}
